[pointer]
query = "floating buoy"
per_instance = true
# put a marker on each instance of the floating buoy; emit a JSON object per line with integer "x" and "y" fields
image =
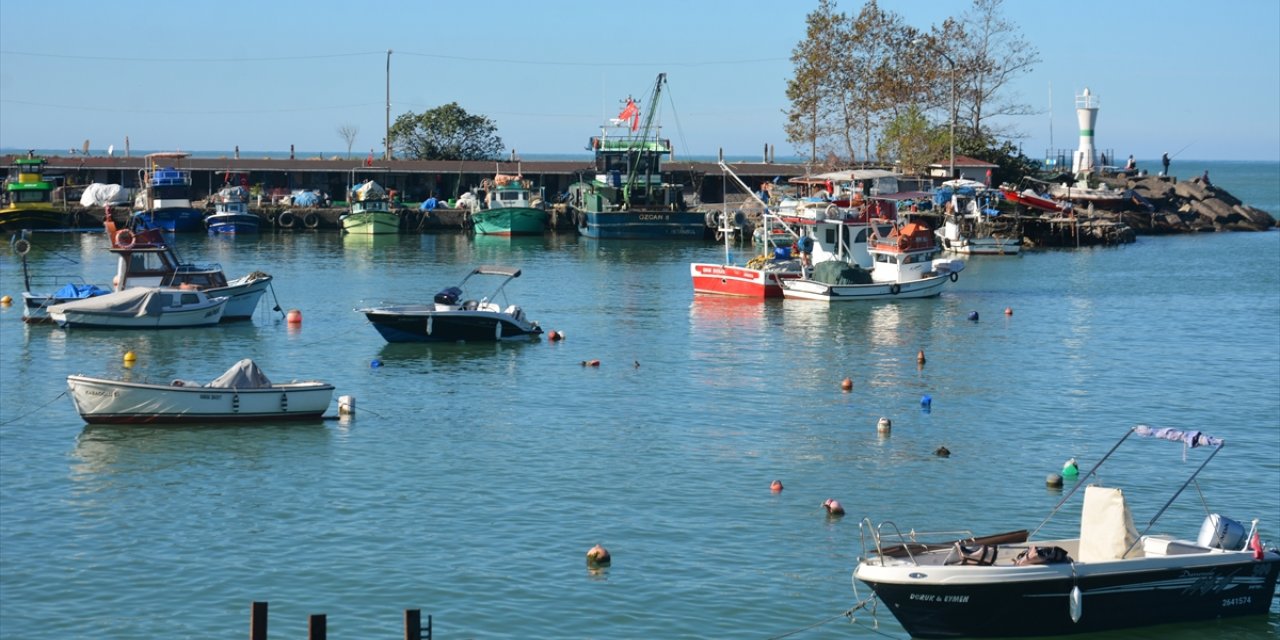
{"x": 926, "y": 403}
{"x": 293, "y": 317}
{"x": 1069, "y": 468}
{"x": 920, "y": 357}
{"x": 942, "y": 452}
{"x": 1053, "y": 480}
{"x": 375, "y": 363}
{"x": 6, "y": 300}
{"x": 129, "y": 356}
{"x": 553, "y": 336}
{"x": 590, "y": 363}
{"x": 973, "y": 315}
{"x": 776, "y": 486}
{"x": 559, "y": 335}
{"x": 598, "y": 556}
{"x": 1008, "y": 311}
{"x": 346, "y": 405}
{"x": 833, "y": 507}
{"x": 884, "y": 425}
{"x": 846, "y": 384}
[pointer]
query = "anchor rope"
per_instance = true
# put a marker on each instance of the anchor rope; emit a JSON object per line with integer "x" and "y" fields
{"x": 847, "y": 613}
{"x": 55, "y": 398}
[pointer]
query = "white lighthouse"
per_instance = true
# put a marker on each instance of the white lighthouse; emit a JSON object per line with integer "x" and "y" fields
{"x": 1087, "y": 114}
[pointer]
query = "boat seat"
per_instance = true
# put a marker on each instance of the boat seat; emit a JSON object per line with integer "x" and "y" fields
{"x": 1106, "y": 527}
{"x": 1167, "y": 546}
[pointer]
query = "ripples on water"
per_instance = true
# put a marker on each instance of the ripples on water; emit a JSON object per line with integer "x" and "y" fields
{"x": 475, "y": 477}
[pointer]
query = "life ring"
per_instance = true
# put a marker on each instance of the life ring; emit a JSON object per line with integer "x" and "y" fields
{"x": 124, "y": 239}
{"x": 954, "y": 276}
{"x": 22, "y": 246}
{"x": 311, "y": 221}
{"x": 832, "y": 212}
{"x": 895, "y": 289}
{"x": 286, "y": 220}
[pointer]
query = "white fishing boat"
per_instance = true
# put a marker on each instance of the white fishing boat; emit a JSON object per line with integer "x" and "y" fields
{"x": 456, "y": 316}
{"x": 904, "y": 267}
{"x": 969, "y": 222}
{"x": 242, "y": 394}
{"x": 370, "y": 211}
{"x": 231, "y": 212}
{"x": 1110, "y": 577}
{"x": 141, "y": 308}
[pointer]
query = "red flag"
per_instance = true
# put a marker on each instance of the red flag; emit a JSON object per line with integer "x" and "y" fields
{"x": 635, "y": 120}
{"x": 630, "y": 111}
{"x": 1256, "y": 544}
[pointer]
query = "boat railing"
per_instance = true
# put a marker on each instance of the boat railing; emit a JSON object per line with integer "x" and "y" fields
{"x": 904, "y": 541}
{"x": 197, "y": 268}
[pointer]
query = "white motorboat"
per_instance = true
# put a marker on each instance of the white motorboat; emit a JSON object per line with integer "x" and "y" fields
{"x": 904, "y": 267}
{"x": 455, "y": 316}
{"x": 242, "y": 394}
{"x": 968, "y": 225}
{"x": 1111, "y": 577}
{"x": 141, "y": 308}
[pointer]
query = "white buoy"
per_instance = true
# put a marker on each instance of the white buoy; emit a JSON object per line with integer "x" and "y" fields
{"x": 884, "y": 425}
{"x": 346, "y": 405}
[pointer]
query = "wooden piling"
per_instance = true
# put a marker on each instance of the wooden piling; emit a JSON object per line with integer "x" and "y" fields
{"x": 258, "y": 621}
{"x": 317, "y": 627}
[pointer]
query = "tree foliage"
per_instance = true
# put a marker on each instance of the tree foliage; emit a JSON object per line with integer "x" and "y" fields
{"x": 446, "y": 132}
{"x": 871, "y": 88}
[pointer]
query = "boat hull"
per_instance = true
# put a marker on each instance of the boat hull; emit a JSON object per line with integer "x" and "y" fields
{"x": 371, "y": 223}
{"x": 14, "y": 219}
{"x": 510, "y": 221}
{"x": 203, "y": 315}
{"x": 233, "y": 223}
{"x": 988, "y": 246}
{"x": 618, "y": 225}
{"x": 101, "y": 401}
{"x": 243, "y": 295}
{"x": 174, "y": 219}
{"x": 728, "y": 280}
{"x": 1035, "y": 600}
{"x": 417, "y": 324}
{"x": 814, "y": 290}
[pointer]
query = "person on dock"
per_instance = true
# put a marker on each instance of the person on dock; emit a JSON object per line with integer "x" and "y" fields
{"x": 1205, "y": 179}
{"x": 1131, "y": 164}
{"x": 1164, "y": 160}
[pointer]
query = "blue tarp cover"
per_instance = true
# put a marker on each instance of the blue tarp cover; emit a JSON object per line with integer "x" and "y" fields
{"x": 73, "y": 290}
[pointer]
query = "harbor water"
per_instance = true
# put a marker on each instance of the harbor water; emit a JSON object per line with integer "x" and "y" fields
{"x": 474, "y": 478}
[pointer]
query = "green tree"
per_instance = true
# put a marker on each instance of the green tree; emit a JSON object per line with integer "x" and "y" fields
{"x": 810, "y": 118}
{"x": 912, "y": 140}
{"x": 446, "y": 132}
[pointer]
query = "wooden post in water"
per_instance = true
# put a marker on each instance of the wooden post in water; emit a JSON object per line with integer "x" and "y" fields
{"x": 413, "y": 625}
{"x": 317, "y": 627}
{"x": 258, "y": 621}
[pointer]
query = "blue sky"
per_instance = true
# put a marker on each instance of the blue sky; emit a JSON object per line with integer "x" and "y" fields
{"x": 1201, "y": 80}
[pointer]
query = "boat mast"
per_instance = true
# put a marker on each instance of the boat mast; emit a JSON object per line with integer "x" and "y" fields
{"x": 643, "y": 143}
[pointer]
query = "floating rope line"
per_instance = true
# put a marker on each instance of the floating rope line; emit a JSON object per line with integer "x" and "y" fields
{"x": 34, "y": 410}
{"x": 848, "y": 613}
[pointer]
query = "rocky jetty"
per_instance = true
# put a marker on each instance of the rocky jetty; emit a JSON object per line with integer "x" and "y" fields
{"x": 1163, "y": 206}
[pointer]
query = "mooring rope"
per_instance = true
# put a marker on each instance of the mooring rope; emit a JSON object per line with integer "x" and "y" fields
{"x": 848, "y": 613}
{"x": 55, "y": 398}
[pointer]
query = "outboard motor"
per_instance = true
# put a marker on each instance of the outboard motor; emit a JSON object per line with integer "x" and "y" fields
{"x": 1220, "y": 532}
{"x": 448, "y": 296}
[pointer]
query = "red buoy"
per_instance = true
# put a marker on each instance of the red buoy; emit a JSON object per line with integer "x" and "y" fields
{"x": 846, "y": 384}
{"x": 293, "y": 317}
{"x": 1008, "y": 311}
{"x": 833, "y": 507}
{"x": 776, "y": 487}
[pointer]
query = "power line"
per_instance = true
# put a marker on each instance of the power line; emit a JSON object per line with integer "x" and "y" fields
{"x": 187, "y": 60}
{"x": 579, "y": 63}
{"x": 192, "y": 112}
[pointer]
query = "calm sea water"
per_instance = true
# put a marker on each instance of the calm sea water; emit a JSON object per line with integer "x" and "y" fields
{"x": 475, "y": 477}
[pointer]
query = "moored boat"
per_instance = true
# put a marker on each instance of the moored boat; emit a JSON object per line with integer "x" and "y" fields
{"x": 165, "y": 199}
{"x": 509, "y": 208}
{"x": 28, "y": 198}
{"x": 1081, "y": 192}
{"x": 141, "y": 308}
{"x": 456, "y": 316}
{"x": 627, "y": 197}
{"x": 1111, "y": 577}
{"x": 371, "y": 212}
{"x": 242, "y": 394}
{"x": 904, "y": 267}
{"x": 969, "y": 221}
{"x": 231, "y": 212}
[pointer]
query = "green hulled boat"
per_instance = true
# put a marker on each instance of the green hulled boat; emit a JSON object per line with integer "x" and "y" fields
{"x": 28, "y": 198}
{"x": 370, "y": 211}
{"x": 509, "y": 208}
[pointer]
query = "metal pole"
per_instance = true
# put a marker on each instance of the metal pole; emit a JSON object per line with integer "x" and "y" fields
{"x": 387, "y": 153}
{"x": 953, "y": 114}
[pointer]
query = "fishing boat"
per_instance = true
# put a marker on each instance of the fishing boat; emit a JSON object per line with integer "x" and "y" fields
{"x": 969, "y": 221}
{"x": 148, "y": 259}
{"x": 165, "y": 198}
{"x": 231, "y": 212}
{"x": 509, "y": 208}
{"x": 457, "y": 316}
{"x": 627, "y": 197}
{"x": 1028, "y": 196}
{"x": 371, "y": 212}
{"x": 904, "y": 267}
{"x": 830, "y": 232}
{"x": 1080, "y": 192}
{"x": 28, "y": 198}
{"x": 141, "y": 308}
{"x": 59, "y": 288}
{"x": 1111, "y": 577}
{"x": 242, "y": 394}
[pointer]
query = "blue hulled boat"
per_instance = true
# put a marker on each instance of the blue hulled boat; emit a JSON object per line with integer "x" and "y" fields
{"x": 165, "y": 201}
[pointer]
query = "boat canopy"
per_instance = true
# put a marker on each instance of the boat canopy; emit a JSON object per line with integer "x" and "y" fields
{"x": 242, "y": 375}
{"x": 138, "y": 301}
{"x": 493, "y": 270}
{"x": 851, "y": 175}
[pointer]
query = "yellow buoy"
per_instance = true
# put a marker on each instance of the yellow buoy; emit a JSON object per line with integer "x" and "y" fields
{"x": 129, "y": 356}
{"x": 6, "y": 300}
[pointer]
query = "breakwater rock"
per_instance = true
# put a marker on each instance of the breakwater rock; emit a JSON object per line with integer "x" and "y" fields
{"x": 1163, "y": 206}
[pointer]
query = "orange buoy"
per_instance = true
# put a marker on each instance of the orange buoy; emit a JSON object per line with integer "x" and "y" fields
{"x": 598, "y": 556}
{"x": 846, "y": 384}
{"x": 920, "y": 357}
{"x": 833, "y": 507}
{"x": 776, "y": 487}
{"x": 590, "y": 363}
{"x": 1008, "y": 311}
{"x": 293, "y": 317}
{"x": 553, "y": 335}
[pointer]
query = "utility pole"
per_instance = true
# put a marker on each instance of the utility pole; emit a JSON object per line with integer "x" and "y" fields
{"x": 387, "y": 153}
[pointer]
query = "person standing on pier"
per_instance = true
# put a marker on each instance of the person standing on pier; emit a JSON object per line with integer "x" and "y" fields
{"x": 1164, "y": 160}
